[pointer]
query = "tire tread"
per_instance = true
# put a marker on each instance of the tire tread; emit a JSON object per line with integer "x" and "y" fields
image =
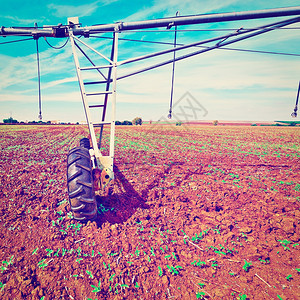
{"x": 80, "y": 184}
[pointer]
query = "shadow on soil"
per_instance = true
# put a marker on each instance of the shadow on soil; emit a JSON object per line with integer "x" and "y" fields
{"x": 122, "y": 204}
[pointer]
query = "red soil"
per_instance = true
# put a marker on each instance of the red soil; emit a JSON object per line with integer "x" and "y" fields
{"x": 209, "y": 212}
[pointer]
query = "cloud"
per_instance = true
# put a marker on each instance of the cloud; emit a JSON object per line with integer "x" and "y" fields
{"x": 17, "y": 71}
{"x": 23, "y": 21}
{"x": 170, "y": 7}
{"x": 83, "y": 10}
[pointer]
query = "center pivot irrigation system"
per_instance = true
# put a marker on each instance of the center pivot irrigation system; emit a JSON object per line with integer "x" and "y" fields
{"x": 89, "y": 171}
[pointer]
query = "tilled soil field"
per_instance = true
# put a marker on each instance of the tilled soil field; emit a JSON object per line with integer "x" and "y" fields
{"x": 197, "y": 213}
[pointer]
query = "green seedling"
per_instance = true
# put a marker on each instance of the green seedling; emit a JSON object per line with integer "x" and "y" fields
{"x": 50, "y": 251}
{"x": 70, "y": 215}
{"x": 160, "y": 273}
{"x": 247, "y": 265}
{"x": 42, "y": 264}
{"x": 2, "y": 285}
{"x": 216, "y": 229}
{"x": 267, "y": 261}
{"x": 63, "y": 231}
{"x": 214, "y": 264}
{"x": 6, "y": 264}
{"x": 197, "y": 237}
{"x": 96, "y": 289}
{"x": 198, "y": 263}
{"x": 152, "y": 251}
{"x": 90, "y": 274}
{"x": 200, "y": 295}
{"x": 285, "y": 244}
{"x": 137, "y": 251}
{"x": 242, "y": 297}
{"x": 62, "y": 202}
{"x": 174, "y": 270}
{"x": 289, "y": 277}
{"x": 112, "y": 277}
{"x": 34, "y": 251}
{"x": 244, "y": 235}
{"x": 298, "y": 270}
{"x": 279, "y": 297}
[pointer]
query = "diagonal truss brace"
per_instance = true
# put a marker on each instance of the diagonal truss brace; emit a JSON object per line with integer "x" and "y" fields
{"x": 224, "y": 41}
{"x": 100, "y": 161}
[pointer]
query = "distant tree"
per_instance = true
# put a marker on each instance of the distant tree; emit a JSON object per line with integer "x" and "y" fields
{"x": 178, "y": 123}
{"x": 118, "y": 123}
{"x": 137, "y": 121}
{"x": 215, "y": 122}
{"x": 10, "y": 121}
{"x": 126, "y": 122}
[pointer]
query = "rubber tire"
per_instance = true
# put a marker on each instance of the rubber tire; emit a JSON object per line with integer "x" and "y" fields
{"x": 80, "y": 185}
{"x": 85, "y": 143}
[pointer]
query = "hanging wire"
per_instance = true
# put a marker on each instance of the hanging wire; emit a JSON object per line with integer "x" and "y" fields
{"x": 16, "y": 41}
{"x": 294, "y": 114}
{"x": 223, "y": 48}
{"x": 173, "y": 71}
{"x": 39, "y": 75}
{"x": 190, "y": 30}
{"x": 60, "y": 47}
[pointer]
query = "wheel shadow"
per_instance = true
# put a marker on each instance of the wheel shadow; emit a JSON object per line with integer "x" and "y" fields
{"x": 121, "y": 204}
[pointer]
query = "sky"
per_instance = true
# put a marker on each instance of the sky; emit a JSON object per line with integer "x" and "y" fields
{"x": 221, "y": 84}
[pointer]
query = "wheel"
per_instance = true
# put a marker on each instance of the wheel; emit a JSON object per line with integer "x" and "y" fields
{"x": 85, "y": 143}
{"x": 80, "y": 184}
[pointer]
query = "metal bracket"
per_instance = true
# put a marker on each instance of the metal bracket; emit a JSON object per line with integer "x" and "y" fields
{"x": 86, "y": 33}
{"x": 118, "y": 26}
{"x": 169, "y": 26}
{"x": 60, "y": 31}
{"x": 236, "y": 31}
